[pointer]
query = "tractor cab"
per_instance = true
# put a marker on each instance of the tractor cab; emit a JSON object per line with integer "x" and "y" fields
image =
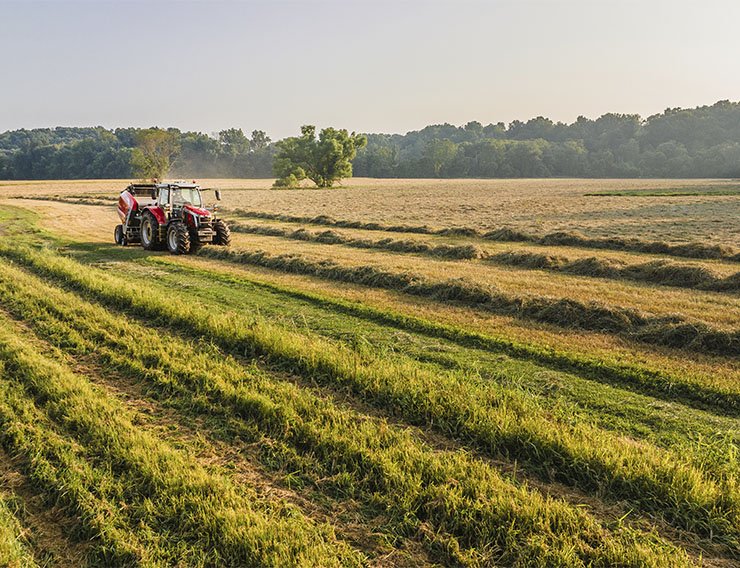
{"x": 178, "y": 195}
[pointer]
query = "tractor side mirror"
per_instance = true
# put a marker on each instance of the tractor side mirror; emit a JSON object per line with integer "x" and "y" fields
{"x": 218, "y": 194}
{"x": 154, "y": 194}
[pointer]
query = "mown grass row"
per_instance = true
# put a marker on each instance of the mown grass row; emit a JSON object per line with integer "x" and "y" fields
{"x": 661, "y": 272}
{"x": 560, "y": 238}
{"x": 695, "y": 191}
{"x": 717, "y": 397}
{"x": 668, "y": 331}
{"x": 490, "y": 520}
{"x": 493, "y": 419}
{"x": 59, "y": 469}
{"x": 74, "y": 199}
{"x": 705, "y": 439}
{"x": 146, "y": 503}
{"x": 332, "y": 237}
{"x": 14, "y": 550}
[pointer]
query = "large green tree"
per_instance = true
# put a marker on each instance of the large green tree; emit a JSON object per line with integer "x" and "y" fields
{"x": 233, "y": 142}
{"x": 324, "y": 160}
{"x": 440, "y": 154}
{"x": 154, "y": 153}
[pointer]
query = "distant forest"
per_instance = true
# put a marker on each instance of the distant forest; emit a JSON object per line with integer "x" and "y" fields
{"x": 99, "y": 153}
{"x": 700, "y": 142}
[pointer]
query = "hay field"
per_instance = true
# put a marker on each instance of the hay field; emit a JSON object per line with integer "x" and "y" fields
{"x": 669, "y": 210}
{"x": 377, "y": 375}
{"x": 538, "y": 206}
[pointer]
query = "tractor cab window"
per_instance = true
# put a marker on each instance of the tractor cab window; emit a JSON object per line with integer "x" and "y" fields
{"x": 186, "y": 196}
{"x": 163, "y": 196}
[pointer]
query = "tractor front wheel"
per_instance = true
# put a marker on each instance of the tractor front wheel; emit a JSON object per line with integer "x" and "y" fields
{"x": 150, "y": 232}
{"x": 223, "y": 233}
{"x": 178, "y": 239}
{"x": 119, "y": 236}
{"x": 195, "y": 244}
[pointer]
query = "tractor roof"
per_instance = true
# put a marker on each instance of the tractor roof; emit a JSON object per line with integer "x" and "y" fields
{"x": 149, "y": 187}
{"x": 179, "y": 184}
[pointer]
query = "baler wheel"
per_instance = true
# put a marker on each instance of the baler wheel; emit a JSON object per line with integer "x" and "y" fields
{"x": 119, "y": 236}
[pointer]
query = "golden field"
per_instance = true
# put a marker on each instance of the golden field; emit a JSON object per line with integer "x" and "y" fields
{"x": 540, "y": 206}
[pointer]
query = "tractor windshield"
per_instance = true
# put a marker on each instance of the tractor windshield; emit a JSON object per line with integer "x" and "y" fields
{"x": 186, "y": 196}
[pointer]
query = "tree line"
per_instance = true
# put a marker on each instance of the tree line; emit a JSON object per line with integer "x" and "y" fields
{"x": 100, "y": 153}
{"x": 699, "y": 142}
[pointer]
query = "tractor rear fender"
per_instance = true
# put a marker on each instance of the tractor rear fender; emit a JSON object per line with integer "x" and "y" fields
{"x": 158, "y": 213}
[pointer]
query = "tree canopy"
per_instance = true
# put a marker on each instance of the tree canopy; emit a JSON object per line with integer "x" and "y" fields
{"x": 324, "y": 160}
{"x": 699, "y": 142}
{"x": 154, "y": 152}
{"x": 99, "y": 153}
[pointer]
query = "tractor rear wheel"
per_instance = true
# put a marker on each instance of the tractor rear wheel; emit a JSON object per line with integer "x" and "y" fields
{"x": 223, "y": 233}
{"x": 150, "y": 232}
{"x": 178, "y": 239}
{"x": 119, "y": 236}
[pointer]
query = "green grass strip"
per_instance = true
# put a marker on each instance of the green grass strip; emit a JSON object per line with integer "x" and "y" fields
{"x": 491, "y": 419}
{"x": 492, "y": 518}
{"x": 668, "y": 331}
{"x": 707, "y": 440}
{"x": 60, "y": 470}
{"x": 14, "y": 551}
{"x": 200, "y": 515}
{"x": 688, "y": 390}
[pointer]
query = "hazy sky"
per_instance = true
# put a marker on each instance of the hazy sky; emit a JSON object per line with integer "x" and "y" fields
{"x": 371, "y": 66}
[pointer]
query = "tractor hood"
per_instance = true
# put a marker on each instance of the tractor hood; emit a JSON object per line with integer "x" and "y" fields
{"x": 198, "y": 210}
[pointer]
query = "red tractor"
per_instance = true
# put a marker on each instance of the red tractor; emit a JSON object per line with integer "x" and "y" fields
{"x": 169, "y": 215}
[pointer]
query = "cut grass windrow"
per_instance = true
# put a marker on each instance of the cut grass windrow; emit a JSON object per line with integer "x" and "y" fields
{"x": 174, "y": 510}
{"x": 706, "y": 439}
{"x": 332, "y": 238}
{"x": 491, "y": 418}
{"x": 661, "y": 272}
{"x": 493, "y": 520}
{"x": 14, "y": 551}
{"x": 666, "y": 331}
{"x": 74, "y": 199}
{"x": 560, "y": 238}
{"x": 51, "y": 535}
{"x": 688, "y": 390}
{"x": 59, "y": 469}
{"x": 697, "y": 191}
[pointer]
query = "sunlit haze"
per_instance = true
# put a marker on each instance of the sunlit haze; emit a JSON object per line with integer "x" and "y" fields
{"x": 370, "y": 66}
